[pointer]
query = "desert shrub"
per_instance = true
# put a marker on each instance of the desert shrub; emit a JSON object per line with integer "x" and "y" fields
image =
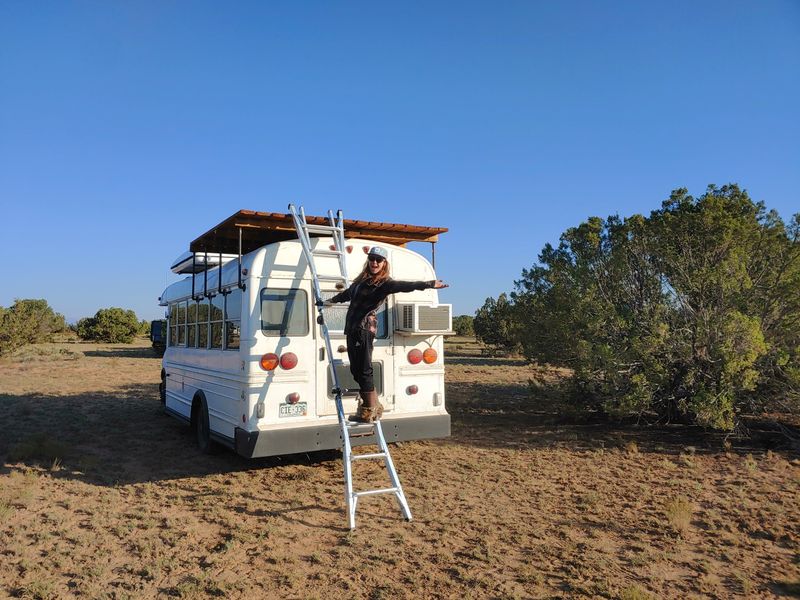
{"x": 109, "y": 325}
{"x": 463, "y": 325}
{"x": 495, "y": 325}
{"x": 28, "y": 322}
{"x": 691, "y": 314}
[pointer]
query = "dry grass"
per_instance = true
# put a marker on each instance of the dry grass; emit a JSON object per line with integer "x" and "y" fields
{"x": 679, "y": 514}
{"x": 101, "y": 495}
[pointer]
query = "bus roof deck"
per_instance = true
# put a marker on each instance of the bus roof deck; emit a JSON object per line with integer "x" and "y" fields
{"x": 255, "y": 229}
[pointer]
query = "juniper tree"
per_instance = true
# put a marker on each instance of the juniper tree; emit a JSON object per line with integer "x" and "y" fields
{"x": 692, "y": 313}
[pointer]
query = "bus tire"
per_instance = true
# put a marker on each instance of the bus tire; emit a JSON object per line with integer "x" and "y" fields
{"x": 200, "y": 425}
{"x": 162, "y": 387}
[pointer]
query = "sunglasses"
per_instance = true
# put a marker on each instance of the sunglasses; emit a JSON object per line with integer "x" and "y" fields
{"x": 376, "y": 259}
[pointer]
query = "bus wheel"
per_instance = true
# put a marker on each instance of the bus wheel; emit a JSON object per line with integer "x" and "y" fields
{"x": 202, "y": 430}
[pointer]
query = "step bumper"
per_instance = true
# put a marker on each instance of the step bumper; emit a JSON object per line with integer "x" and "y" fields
{"x": 254, "y": 444}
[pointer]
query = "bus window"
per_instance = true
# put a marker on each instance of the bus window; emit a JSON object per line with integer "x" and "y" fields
{"x": 191, "y": 325}
{"x": 202, "y": 324}
{"x": 217, "y": 309}
{"x": 181, "y": 323}
{"x": 233, "y": 319}
{"x": 173, "y": 328}
{"x": 284, "y": 312}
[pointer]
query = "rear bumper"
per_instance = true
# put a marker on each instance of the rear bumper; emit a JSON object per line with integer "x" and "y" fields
{"x": 253, "y": 444}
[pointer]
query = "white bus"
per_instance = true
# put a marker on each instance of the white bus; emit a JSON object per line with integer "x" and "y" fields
{"x": 245, "y": 362}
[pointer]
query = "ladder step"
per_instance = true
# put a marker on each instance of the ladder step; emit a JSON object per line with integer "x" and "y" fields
{"x": 355, "y": 428}
{"x": 365, "y": 456}
{"x": 320, "y": 228}
{"x": 326, "y": 252}
{"x": 392, "y": 490}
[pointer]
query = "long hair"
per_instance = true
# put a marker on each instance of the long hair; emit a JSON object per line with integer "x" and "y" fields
{"x": 381, "y": 276}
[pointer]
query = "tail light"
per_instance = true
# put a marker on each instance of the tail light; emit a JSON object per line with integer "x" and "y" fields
{"x": 415, "y": 356}
{"x": 288, "y": 360}
{"x": 293, "y": 398}
{"x": 429, "y": 356}
{"x": 411, "y": 390}
{"x": 269, "y": 362}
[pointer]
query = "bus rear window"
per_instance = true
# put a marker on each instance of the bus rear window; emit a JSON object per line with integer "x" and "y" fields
{"x": 284, "y": 312}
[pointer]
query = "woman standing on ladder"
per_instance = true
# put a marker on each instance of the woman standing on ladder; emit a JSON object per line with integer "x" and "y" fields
{"x": 367, "y": 292}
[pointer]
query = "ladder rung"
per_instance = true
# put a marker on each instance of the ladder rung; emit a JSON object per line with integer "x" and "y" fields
{"x": 365, "y": 456}
{"x": 392, "y": 490}
{"x": 320, "y": 228}
{"x": 360, "y": 428}
{"x": 326, "y": 252}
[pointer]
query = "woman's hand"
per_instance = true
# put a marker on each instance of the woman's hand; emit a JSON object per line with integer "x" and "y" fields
{"x": 439, "y": 284}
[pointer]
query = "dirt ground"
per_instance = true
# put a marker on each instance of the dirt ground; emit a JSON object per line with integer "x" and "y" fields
{"x": 103, "y": 496}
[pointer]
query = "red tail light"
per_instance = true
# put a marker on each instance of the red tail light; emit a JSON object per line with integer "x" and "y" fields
{"x": 269, "y": 362}
{"x": 411, "y": 390}
{"x": 288, "y": 360}
{"x": 293, "y": 398}
{"x": 429, "y": 356}
{"x": 415, "y": 356}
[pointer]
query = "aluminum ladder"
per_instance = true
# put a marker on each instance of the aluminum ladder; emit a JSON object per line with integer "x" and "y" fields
{"x": 335, "y": 228}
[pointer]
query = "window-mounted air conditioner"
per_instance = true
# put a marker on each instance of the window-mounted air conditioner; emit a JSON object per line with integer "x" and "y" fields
{"x": 424, "y": 318}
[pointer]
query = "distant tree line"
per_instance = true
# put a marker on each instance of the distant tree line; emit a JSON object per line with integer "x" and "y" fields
{"x": 31, "y": 321}
{"x": 691, "y": 314}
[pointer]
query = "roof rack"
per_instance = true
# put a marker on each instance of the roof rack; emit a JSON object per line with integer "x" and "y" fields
{"x": 248, "y": 230}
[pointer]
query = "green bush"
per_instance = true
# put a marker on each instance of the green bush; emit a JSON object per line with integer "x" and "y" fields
{"x": 28, "y": 322}
{"x": 463, "y": 325}
{"x": 495, "y": 325}
{"x": 109, "y": 325}
{"x": 691, "y": 314}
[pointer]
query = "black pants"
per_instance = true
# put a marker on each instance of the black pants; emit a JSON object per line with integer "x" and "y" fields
{"x": 359, "y": 351}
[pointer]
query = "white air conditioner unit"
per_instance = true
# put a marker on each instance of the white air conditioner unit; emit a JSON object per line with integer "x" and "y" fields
{"x": 424, "y": 318}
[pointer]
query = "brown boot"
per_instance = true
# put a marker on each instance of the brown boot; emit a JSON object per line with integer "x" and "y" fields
{"x": 369, "y": 409}
{"x": 371, "y": 400}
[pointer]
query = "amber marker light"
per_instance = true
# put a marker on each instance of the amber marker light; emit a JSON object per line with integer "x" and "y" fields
{"x": 429, "y": 356}
{"x": 269, "y": 362}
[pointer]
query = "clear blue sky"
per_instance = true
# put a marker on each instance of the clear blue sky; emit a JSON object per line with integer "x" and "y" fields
{"x": 129, "y": 128}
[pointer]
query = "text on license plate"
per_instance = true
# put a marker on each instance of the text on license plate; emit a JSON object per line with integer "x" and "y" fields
{"x": 293, "y": 410}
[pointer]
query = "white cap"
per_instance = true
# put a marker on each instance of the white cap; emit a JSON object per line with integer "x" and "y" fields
{"x": 378, "y": 251}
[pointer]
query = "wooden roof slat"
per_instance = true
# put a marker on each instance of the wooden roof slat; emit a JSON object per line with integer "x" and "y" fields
{"x": 261, "y": 228}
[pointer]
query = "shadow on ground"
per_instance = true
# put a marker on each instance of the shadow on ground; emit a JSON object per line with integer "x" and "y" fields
{"x": 484, "y": 361}
{"x": 509, "y": 415}
{"x": 123, "y": 353}
{"x": 110, "y": 438}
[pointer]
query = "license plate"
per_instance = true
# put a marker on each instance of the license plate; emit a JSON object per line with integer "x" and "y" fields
{"x": 293, "y": 410}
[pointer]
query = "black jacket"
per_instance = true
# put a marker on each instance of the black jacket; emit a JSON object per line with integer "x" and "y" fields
{"x": 365, "y": 298}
